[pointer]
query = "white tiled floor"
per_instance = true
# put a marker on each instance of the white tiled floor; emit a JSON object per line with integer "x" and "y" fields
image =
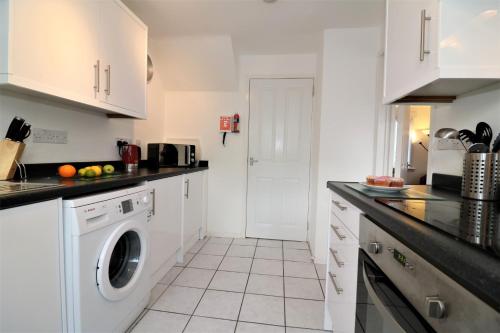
{"x": 239, "y": 286}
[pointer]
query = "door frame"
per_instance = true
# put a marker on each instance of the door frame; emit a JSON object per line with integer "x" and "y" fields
{"x": 247, "y": 81}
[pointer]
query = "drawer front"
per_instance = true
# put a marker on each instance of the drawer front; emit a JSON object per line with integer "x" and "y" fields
{"x": 343, "y": 315}
{"x": 339, "y": 234}
{"x": 346, "y": 212}
{"x": 343, "y": 257}
{"x": 344, "y": 282}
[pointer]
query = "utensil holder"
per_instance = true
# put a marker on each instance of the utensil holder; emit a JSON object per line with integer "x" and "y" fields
{"x": 481, "y": 176}
{"x": 10, "y": 152}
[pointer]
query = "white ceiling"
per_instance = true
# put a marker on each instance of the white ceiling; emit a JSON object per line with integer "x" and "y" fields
{"x": 286, "y": 26}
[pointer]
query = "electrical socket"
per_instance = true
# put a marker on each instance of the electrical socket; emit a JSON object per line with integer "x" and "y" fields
{"x": 128, "y": 140}
{"x": 41, "y": 135}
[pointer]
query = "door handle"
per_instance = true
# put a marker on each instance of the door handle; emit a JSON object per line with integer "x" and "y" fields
{"x": 341, "y": 207}
{"x": 339, "y": 262}
{"x": 336, "y": 231}
{"x": 108, "y": 80}
{"x": 153, "y": 209}
{"x": 423, "y": 20}
{"x": 338, "y": 290}
{"x": 187, "y": 188}
{"x": 96, "y": 76}
{"x": 252, "y": 161}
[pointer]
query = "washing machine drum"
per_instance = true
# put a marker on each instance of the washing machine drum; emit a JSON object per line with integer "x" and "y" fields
{"x": 122, "y": 260}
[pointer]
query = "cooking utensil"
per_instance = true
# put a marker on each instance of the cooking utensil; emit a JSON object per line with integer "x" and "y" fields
{"x": 14, "y": 128}
{"x": 496, "y": 145}
{"x": 24, "y": 133}
{"x": 467, "y": 136}
{"x": 479, "y": 148}
{"x": 446, "y": 133}
{"x": 484, "y": 133}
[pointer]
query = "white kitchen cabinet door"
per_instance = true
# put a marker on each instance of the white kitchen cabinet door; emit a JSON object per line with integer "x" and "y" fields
{"x": 31, "y": 268}
{"x": 408, "y": 63}
{"x": 193, "y": 208}
{"x": 124, "y": 58}
{"x": 166, "y": 221}
{"x": 52, "y": 46}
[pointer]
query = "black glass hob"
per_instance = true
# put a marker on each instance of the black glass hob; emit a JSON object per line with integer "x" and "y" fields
{"x": 471, "y": 221}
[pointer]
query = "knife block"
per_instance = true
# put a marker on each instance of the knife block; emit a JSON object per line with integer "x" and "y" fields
{"x": 10, "y": 152}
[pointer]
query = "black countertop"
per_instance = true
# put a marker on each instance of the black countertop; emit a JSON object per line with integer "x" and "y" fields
{"x": 469, "y": 266}
{"x": 72, "y": 187}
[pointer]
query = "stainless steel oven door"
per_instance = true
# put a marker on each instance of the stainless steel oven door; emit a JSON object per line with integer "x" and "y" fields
{"x": 380, "y": 307}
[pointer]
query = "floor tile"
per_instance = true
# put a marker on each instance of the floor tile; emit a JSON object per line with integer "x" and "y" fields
{"x": 265, "y": 285}
{"x": 187, "y": 258}
{"x": 262, "y": 309}
{"x": 241, "y": 251}
{"x": 205, "y": 261}
{"x": 269, "y": 267}
{"x": 197, "y": 246}
{"x": 269, "y": 243}
{"x": 304, "y": 313}
{"x": 321, "y": 269}
{"x": 297, "y": 255}
{"x": 235, "y": 264}
{"x": 220, "y": 304}
{"x": 305, "y": 330}
{"x": 300, "y": 269}
{"x": 323, "y": 285}
{"x": 210, "y": 325}
{"x": 303, "y": 288}
{"x": 245, "y": 241}
{"x": 214, "y": 249}
{"x": 229, "y": 281}
{"x": 194, "y": 277}
{"x": 171, "y": 275}
{"x": 161, "y": 322}
{"x": 269, "y": 253}
{"x": 220, "y": 240}
{"x": 243, "y": 327}
{"x": 156, "y": 293}
{"x": 295, "y": 245}
{"x": 179, "y": 299}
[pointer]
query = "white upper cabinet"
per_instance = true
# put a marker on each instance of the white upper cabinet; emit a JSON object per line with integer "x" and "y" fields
{"x": 64, "y": 48}
{"x": 440, "y": 47}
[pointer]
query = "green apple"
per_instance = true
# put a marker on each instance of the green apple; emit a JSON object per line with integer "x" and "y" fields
{"x": 108, "y": 169}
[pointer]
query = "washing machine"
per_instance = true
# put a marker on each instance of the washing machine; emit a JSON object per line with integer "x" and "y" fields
{"x": 106, "y": 250}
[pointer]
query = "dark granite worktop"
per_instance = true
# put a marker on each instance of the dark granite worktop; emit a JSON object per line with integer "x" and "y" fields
{"x": 72, "y": 187}
{"x": 474, "y": 269}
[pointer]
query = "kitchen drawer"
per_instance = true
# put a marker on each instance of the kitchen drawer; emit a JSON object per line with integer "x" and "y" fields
{"x": 343, "y": 315}
{"x": 339, "y": 234}
{"x": 346, "y": 212}
{"x": 343, "y": 256}
{"x": 343, "y": 283}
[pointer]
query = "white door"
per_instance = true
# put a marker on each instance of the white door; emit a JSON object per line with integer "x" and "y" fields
{"x": 279, "y": 158}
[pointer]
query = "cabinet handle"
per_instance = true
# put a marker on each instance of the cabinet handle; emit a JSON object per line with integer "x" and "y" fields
{"x": 108, "y": 80}
{"x": 96, "y": 76}
{"x": 153, "y": 194}
{"x": 339, "y": 262}
{"x": 337, "y": 288}
{"x": 339, "y": 205}
{"x": 423, "y": 19}
{"x": 336, "y": 231}
{"x": 187, "y": 189}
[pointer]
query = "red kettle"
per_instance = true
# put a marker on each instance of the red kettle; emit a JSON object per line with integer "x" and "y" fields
{"x": 131, "y": 155}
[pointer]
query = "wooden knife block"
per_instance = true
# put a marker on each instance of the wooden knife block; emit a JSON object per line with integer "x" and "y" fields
{"x": 10, "y": 152}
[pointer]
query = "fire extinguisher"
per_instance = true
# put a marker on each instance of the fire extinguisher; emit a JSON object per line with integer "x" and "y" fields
{"x": 236, "y": 123}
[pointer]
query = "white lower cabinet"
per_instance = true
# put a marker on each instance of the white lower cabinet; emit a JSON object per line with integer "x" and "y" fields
{"x": 165, "y": 225}
{"x": 193, "y": 209}
{"x": 342, "y": 265}
{"x": 31, "y": 269}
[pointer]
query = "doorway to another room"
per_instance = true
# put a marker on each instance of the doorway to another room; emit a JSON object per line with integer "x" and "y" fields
{"x": 279, "y": 158}
{"x": 410, "y": 129}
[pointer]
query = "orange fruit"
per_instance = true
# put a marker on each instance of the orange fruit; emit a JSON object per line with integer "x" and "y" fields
{"x": 66, "y": 171}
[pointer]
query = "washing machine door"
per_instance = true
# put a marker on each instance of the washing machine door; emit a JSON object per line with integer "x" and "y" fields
{"x": 122, "y": 260}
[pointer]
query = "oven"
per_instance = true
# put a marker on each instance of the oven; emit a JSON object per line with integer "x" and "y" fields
{"x": 399, "y": 291}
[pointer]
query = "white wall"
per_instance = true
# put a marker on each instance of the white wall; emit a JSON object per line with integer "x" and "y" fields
{"x": 195, "y": 115}
{"x": 465, "y": 112}
{"x": 91, "y": 135}
{"x": 350, "y": 102}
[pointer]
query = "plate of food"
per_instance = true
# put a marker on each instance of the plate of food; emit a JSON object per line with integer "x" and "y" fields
{"x": 385, "y": 184}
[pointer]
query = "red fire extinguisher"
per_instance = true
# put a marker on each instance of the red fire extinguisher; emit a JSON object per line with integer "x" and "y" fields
{"x": 236, "y": 123}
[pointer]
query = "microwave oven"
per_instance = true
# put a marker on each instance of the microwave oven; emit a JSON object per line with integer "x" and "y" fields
{"x": 171, "y": 155}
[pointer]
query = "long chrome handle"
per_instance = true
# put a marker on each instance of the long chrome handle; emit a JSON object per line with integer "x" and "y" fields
{"x": 96, "y": 76}
{"x": 337, "y": 288}
{"x": 153, "y": 194}
{"x": 423, "y": 19}
{"x": 339, "y": 205}
{"x": 108, "y": 80}
{"x": 336, "y": 231}
{"x": 187, "y": 188}
{"x": 339, "y": 262}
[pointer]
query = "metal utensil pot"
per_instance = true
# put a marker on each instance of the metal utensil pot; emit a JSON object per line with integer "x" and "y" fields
{"x": 481, "y": 176}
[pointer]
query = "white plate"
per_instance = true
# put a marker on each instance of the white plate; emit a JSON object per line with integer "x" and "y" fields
{"x": 386, "y": 188}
